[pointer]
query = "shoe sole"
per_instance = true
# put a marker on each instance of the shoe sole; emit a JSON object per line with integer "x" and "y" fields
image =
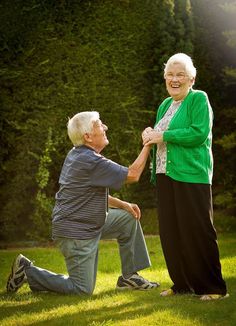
{"x": 14, "y": 268}
{"x": 134, "y": 289}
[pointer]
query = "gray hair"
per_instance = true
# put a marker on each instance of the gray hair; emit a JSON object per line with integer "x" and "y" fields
{"x": 80, "y": 124}
{"x": 183, "y": 59}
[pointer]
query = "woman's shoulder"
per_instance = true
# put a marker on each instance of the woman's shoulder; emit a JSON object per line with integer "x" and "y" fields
{"x": 166, "y": 101}
{"x": 196, "y": 93}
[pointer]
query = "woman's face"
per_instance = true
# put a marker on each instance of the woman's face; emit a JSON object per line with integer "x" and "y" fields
{"x": 178, "y": 82}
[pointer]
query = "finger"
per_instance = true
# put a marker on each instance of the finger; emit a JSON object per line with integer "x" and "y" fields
{"x": 149, "y": 143}
{"x": 134, "y": 213}
{"x": 137, "y": 211}
{"x": 148, "y": 129}
{"x": 144, "y": 135}
{"x": 145, "y": 142}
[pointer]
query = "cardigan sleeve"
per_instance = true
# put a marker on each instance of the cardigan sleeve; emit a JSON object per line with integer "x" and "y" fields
{"x": 195, "y": 133}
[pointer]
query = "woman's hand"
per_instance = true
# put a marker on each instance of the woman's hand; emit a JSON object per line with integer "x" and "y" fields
{"x": 151, "y": 136}
{"x": 145, "y": 133}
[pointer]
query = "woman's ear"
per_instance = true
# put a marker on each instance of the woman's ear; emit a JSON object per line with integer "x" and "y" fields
{"x": 192, "y": 81}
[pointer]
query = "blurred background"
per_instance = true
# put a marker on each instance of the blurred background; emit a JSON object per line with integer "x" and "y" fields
{"x": 60, "y": 57}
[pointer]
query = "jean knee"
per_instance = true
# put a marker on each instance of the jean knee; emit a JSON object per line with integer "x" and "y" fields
{"x": 129, "y": 217}
{"x": 83, "y": 290}
{"x": 130, "y": 225}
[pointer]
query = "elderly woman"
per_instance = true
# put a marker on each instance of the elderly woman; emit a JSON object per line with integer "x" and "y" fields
{"x": 182, "y": 170}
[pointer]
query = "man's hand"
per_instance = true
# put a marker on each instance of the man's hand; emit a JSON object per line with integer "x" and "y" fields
{"x": 133, "y": 209}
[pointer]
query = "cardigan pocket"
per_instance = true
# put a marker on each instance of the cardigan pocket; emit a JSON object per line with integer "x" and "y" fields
{"x": 191, "y": 161}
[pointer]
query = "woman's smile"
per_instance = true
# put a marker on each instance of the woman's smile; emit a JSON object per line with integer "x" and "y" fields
{"x": 178, "y": 83}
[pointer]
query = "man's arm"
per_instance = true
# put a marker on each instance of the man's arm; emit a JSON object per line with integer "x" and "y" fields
{"x": 129, "y": 207}
{"x": 136, "y": 169}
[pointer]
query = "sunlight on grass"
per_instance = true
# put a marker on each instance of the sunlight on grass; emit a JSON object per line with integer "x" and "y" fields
{"x": 165, "y": 317}
{"x": 229, "y": 266}
{"x": 109, "y": 307}
{"x": 115, "y": 306}
{"x": 44, "y": 315}
{"x": 12, "y": 304}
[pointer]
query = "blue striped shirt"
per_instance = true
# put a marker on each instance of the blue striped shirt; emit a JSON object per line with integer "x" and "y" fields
{"x": 81, "y": 202}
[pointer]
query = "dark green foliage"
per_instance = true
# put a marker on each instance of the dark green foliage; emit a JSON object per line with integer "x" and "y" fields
{"x": 213, "y": 57}
{"x": 226, "y": 198}
{"x": 62, "y": 57}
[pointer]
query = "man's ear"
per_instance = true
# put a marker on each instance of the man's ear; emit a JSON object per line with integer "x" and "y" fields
{"x": 87, "y": 138}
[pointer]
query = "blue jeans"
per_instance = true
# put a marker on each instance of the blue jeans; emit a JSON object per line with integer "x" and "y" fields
{"x": 81, "y": 257}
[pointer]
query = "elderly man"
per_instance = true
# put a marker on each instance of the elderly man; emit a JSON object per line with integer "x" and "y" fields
{"x": 81, "y": 217}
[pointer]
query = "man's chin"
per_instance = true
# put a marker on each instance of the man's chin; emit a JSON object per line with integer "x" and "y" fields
{"x": 105, "y": 144}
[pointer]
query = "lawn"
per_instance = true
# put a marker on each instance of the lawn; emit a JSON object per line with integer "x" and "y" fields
{"x": 110, "y": 307}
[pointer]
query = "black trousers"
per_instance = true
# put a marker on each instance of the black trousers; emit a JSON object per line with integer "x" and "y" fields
{"x": 188, "y": 237}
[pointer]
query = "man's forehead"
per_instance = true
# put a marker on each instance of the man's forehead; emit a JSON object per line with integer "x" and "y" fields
{"x": 97, "y": 122}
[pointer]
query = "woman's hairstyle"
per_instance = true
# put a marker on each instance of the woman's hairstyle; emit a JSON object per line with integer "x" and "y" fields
{"x": 80, "y": 124}
{"x": 185, "y": 60}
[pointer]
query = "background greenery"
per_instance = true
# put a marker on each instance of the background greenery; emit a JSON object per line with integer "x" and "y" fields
{"x": 59, "y": 57}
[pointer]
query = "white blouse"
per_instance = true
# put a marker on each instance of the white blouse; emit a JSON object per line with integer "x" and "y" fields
{"x": 162, "y": 126}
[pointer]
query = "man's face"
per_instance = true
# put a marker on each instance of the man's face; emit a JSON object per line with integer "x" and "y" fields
{"x": 98, "y": 138}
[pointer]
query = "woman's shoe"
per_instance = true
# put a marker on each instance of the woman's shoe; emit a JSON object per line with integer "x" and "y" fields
{"x": 208, "y": 297}
{"x": 167, "y": 293}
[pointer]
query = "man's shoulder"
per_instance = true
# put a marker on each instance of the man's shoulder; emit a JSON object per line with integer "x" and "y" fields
{"x": 88, "y": 156}
{"x": 84, "y": 153}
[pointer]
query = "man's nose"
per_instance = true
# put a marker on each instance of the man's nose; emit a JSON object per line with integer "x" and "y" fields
{"x": 105, "y": 127}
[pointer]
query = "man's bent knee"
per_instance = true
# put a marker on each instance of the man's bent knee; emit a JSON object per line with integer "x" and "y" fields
{"x": 81, "y": 290}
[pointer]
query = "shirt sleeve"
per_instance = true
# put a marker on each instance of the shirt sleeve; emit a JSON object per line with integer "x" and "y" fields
{"x": 107, "y": 173}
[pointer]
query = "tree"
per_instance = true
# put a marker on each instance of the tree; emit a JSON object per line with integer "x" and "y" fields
{"x": 227, "y": 199}
{"x": 213, "y": 55}
{"x": 58, "y": 58}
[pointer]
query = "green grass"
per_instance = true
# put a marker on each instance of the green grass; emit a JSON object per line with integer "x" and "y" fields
{"x": 108, "y": 306}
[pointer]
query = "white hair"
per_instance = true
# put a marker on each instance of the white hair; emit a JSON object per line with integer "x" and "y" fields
{"x": 80, "y": 124}
{"x": 183, "y": 59}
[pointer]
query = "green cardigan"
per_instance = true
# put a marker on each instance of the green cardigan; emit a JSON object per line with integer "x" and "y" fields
{"x": 188, "y": 139}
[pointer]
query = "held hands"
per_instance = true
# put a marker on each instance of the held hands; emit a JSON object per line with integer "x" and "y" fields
{"x": 151, "y": 136}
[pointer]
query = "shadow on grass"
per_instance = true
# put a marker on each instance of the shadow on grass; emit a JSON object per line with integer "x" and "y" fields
{"x": 32, "y": 301}
{"x": 113, "y": 307}
{"x": 109, "y": 306}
